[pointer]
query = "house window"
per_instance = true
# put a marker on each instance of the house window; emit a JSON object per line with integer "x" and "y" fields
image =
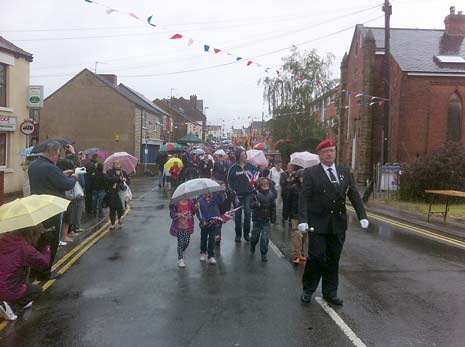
{"x": 3, "y": 85}
{"x": 3, "y": 149}
{"x": 454, "y": 118}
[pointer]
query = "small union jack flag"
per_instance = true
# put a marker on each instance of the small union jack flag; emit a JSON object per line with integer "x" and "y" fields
{"x": 225, "y": 217}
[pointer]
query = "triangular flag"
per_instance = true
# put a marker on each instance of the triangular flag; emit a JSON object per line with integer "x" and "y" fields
{"x": 176, "y": 36}
{"x": 190, "y": 42}
{"x": 267, "y": 69}
{"x": 238, "y": 58}
{"x": 250, "y": 62}
{"x": 381, "y": 103}
{"x": 133, "y": 15}
{"x": 259, "y": 65}
{"x": 277, "y": 72}
{"x": 111, "y": 10}
{"x": 206, "y": 48}
{"x": 216, "y": 50}
{"x": 298, "y": 78}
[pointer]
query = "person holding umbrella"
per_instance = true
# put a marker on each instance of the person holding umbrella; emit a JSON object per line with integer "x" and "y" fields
{"x": 46, "y": 178}
{"x": 23, "y": 246}
{"x": 116, "y": 180}
{"x": 19, "y": 251}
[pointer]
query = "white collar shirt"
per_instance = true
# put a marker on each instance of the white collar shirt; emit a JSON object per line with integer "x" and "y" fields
{"x": 333, "y": 167}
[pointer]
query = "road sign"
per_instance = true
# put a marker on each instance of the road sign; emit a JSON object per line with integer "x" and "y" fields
{"x": 27, "y": 127}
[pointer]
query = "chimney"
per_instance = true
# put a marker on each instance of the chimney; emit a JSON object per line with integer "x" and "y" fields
{"x": 113, "y": 79}
{"x": 455, "y": 23}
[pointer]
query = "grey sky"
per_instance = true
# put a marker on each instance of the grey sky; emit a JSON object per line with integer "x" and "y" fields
{"x": 77, "y": 36}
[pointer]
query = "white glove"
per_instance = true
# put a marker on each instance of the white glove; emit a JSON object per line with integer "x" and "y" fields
{"x": 80, "y": 170}
{"x": 364, "y": 223}
{"x": 302, "y": 227}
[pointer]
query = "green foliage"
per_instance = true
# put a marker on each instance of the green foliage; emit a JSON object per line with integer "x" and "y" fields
{"x": 443, "y": 169}
{"x": 289, "y": 100}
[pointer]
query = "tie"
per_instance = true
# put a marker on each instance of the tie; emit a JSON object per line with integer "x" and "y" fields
{"x": 333, "y": 179}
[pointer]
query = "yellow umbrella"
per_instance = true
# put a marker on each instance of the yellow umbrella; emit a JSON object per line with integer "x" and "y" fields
{"x": 171, "y": 162}
{"x": 30, "y": 211}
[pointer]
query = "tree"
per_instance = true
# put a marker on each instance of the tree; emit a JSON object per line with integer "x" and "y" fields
{"x": 305, "y": 76}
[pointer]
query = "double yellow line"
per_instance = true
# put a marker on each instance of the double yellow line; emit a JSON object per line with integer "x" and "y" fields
{"x": 73, "y": 255}
{"x": 416, "y": 230}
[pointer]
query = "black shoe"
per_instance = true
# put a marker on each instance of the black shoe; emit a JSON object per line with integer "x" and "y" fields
{"x": 247, "y": 239}
{"x": 264, "y": 258}
{"x": 237, "y": 239}
{"x": 252, "y": 249}
{"x": 306, "y": 297}
{"x": 334, "y": 300}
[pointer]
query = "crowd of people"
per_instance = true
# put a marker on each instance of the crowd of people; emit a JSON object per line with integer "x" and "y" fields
{"x": 28, "y": 254}
{"x": 311, "y": 200}
{"x": 312, "y": 203}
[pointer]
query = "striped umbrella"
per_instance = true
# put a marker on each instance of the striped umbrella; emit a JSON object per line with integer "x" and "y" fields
{"x": 261, "y": 146}
{"x": 171, "y": 147}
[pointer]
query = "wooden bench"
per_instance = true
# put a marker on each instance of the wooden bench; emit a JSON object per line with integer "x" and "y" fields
{"x": 447, "y": 194}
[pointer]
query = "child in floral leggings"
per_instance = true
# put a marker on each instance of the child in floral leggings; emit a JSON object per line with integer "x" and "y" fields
{"x": 182, "y": 213}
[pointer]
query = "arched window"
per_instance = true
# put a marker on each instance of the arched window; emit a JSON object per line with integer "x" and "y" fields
{"x": 454, "y": 118}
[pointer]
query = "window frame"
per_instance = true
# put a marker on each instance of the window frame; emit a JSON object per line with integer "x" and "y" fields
{"x": 5, "y": 165}
{"x": 5, "y": 86}
{"x": 454, "y": 101}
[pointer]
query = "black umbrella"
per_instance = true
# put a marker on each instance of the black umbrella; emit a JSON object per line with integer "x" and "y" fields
{"x": 41, "y": 147}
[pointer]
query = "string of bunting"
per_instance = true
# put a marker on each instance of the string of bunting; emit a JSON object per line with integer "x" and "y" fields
{"x": 210, "y": 49}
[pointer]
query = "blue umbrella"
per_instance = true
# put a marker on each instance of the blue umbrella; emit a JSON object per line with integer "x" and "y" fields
{"x": 26, "y": 152}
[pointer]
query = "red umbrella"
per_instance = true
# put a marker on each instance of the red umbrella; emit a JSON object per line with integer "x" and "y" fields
{"x": 261, "y": 146}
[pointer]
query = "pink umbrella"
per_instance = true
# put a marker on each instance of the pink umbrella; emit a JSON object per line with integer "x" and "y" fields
{"x": 128, "y": 162}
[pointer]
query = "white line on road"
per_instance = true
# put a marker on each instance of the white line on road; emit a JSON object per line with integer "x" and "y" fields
{"x": 340, "y": 323}
{"x": 276, "y": 250}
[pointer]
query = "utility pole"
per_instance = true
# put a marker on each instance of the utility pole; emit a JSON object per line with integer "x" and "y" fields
{"x": 387, "y": 9}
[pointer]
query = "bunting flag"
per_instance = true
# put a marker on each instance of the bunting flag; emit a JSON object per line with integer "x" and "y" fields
{"x": 110, "y": 10}
{"x": 206, "y": 48}
{"x": 216, "y": 50}
{"x": 250, "y": 62}
{"x": 176, "y": 37}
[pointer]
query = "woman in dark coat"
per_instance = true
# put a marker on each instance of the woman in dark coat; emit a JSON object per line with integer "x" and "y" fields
{"x": 115, "y": 178}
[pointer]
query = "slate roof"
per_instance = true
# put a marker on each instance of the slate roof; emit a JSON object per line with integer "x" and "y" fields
{"x": 140, "y": 100}
{"x": 187, "y": 109}
{"x": 8, "y": 47}
{"x": 414, "y": 49}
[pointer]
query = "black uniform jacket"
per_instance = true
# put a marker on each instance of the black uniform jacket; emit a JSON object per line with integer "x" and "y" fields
{"x": 323, "y": 206}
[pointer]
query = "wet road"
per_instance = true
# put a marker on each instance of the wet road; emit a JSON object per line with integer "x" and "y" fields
{"x": 399, "y": 289}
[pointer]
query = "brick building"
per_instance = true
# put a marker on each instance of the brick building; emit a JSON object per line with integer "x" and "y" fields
{"x": 192, "y": 111}
{"x": 427, "y": 90}
{"x": 325, "y": 111}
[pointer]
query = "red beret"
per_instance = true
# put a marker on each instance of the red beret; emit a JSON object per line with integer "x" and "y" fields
{"x": 325, "y": 143}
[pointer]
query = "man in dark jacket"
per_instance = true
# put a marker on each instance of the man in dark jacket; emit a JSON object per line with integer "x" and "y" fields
{"x": 161, "y": 161}
{"x": 46, "y": 178}
{"x": 322, "y": 211}
{"x": 205, "y": 167}
{"x": 241, "y": 179}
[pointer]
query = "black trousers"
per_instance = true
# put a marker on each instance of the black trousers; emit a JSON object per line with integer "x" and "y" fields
{"x": 286, "y": 212}
{"x": 52, "y": 238}
{"x": 207, "y": 240}
{"x": 324, "y": 251}
{"x": 32, "y": 293}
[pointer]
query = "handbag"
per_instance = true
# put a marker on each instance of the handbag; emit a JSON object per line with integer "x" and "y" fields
{"x": 75, "y": 193}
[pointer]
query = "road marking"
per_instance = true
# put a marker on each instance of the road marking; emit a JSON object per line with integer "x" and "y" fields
{"x": 76, "y": 249}
{"x": 340, "y": 323}
{"x": 424, "y": 232}
{"x": 276, "y": 250}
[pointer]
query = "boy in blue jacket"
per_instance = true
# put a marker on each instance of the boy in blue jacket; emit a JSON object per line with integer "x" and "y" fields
{"x": 209, "y": 208}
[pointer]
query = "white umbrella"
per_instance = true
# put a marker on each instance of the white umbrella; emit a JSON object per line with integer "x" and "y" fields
{"x": 220, "y": 152}
{"x": 304, "y": 159}
{"x": 257, "y": 157}
{"x": 195, "y": 188}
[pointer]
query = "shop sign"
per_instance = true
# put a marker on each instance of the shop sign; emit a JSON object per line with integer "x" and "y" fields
{"x": 7, "y": 123}
{"x": 35, "y": 97}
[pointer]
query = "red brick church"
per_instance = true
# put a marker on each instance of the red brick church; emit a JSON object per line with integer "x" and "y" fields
{"x": 427, "y": 93}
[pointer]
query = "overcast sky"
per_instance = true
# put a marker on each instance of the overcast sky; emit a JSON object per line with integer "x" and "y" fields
{"x": 66, "y": 36}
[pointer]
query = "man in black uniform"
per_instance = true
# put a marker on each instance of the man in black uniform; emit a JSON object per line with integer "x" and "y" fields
{"x": 322, "y": 210}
